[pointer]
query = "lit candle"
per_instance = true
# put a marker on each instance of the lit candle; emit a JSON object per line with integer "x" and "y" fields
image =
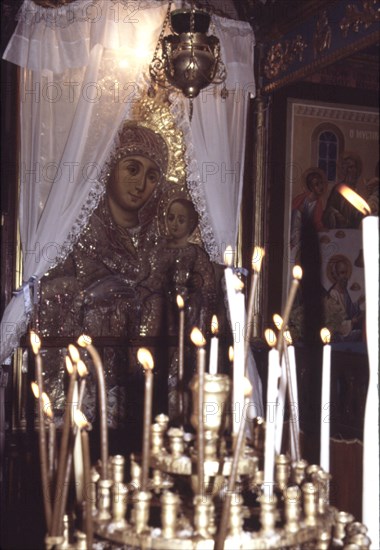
{"x": 239, "y": 363}
{"x": 199, "y": 341}
{"x": 36, "y": 345}
{"x": 59, "y": 509}
{"x": 213, "y": 362}
{"x": 84, "y": 426}
{"x": 225, "y": 519}
{"x": 85, "y": 342}
{"x": 257, "y": 258}
{"x": 325, "y": 401}
{"x": 274, "y": 372}
{"x": 297, "y": 276}
{"x": 181, "y": 339}
{"x": 77, "y": 452}
{"x": 146, "y": 360}
{"x": 371, "y": 482}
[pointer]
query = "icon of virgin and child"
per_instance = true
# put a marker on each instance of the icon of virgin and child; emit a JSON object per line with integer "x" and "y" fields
{"x": 119, "y": 284}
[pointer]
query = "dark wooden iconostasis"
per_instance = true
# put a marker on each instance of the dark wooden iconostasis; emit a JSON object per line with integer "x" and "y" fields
{"x": 338, "y": 79}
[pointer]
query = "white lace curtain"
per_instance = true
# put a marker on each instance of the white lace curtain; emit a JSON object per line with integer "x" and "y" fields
{"x": 81, "y": 66}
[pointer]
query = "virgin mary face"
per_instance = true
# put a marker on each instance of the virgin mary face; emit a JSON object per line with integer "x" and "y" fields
{"x": 133, "y": 183}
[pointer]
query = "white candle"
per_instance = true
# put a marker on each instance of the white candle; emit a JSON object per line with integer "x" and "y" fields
{"x": 371, "y": 482}
{"x": 371, "y": 485}
{"x": 146, "y": 360}
{"x": 280, "y": 410}
{"x": 239, "y": 364}
{"x": 274, "y": 372}
{"x": 325, "y": 402}
{"x": 214, "y": 345}
{"x": 294, "y": 411}
{"x": 181, "y": 356}
{"x": 199, "y": 341}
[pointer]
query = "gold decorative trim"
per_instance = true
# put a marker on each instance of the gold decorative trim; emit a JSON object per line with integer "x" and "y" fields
{"x": 322, "y": 35}
{"x": 320, "y": 63}
{"x": 281, "y": 55}
{"x": 154, "y": 113}
{"x": 354, "y": 19}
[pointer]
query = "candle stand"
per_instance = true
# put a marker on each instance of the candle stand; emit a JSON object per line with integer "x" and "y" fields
{"x": 295, "y": 513}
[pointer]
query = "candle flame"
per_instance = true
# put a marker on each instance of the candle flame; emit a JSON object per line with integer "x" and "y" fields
{"x": 80, "y": 419}
{"x": 288, "y": 337}
{"x": 47, "y": 405}
{"x": 231, "y": 353}
{"x": 238, "y": 284}
{"x": 257, "y": 258}
{"x": 180, "y": 302}
{"x": 214, "y": 325}
{"x": 35, "y": 342}
{"x": 197, "y": 337}
{"x": 353, "y": 198}
{"x": 297, "y": 272}
{"x": 69, "y": 365}
{"x": 325, "y": 335}
{"x": 74, "y": 353}
{"x": 82, "y": 369}
{"x": 84, "y": 340}
{"x": 35, "y": 390}
{"x": 145, "y": 358}
{"x": 270, "y": 337}
{"x": 278, "y": 321}
{"x": 228, "y": 256}
{"x": 247, "y": 388}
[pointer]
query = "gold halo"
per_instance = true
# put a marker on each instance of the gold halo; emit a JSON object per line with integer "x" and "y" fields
{"x": 331, "y": 266}
{"x": 154, "y": 113}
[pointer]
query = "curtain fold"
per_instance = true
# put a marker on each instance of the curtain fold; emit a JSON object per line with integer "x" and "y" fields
{"x": 82, "y": 67}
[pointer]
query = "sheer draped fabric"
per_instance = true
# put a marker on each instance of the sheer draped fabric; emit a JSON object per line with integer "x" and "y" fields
{"x": 82, "y": 66}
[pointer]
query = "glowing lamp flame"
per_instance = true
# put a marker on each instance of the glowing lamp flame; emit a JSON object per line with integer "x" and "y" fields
{"x": 288, "y": 337}
{"x": 278, "y": 321}
{"x": 247, "y": 387}
{"x": 69, "y": 365}
{"x": 197, "y": 338}
{"x": 74, "y": 353}
{"x": 80, "y": 419}
{"x": 35, "y": 390}
{"x": 238, "y": 284}
{"x": 84, "y": 340}
{"x": 231, "y": 353}
{"x": 257, "y": 258}
{"x": 180, "y": 302}
{"x": 228, "y": 256}
{"x": 214, "y": 325}
{"x": 35, "y": 342}
{"x": 82, "y": 369}
{"x": 47, "y": 405}
{"x": 270, "y": 337}
{"x": 353, "y": 198}
{"x": 297, "y": 272}
{"x": 145, "y": 359}
{"x": 325, "y": 335}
